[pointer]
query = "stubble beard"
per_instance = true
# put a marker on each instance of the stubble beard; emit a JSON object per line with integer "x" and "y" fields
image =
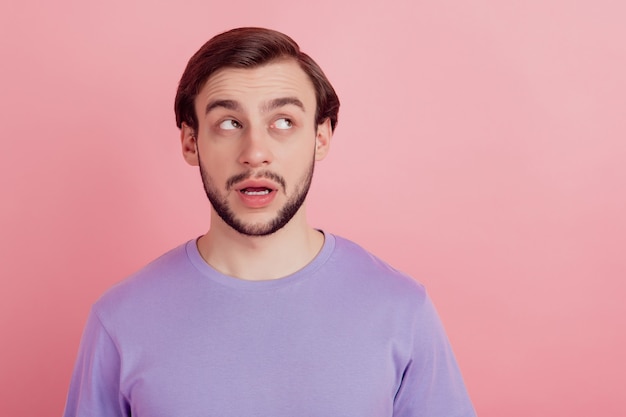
{"x": 285, "y": 214}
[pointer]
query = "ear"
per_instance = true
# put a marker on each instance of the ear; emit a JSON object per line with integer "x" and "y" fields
{"x": 189, "y": 144}
{"x": 322, "y": 139}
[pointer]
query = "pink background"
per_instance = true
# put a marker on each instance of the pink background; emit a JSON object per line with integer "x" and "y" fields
{"x": 481, "y": 148}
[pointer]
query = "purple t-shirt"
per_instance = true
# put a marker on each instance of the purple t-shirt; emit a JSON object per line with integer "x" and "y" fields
{"x": 345, "y": 336}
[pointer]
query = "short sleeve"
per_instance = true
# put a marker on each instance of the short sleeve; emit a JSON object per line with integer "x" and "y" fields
{"x": 432, "y": 385}
{"x": 95, "y": 386}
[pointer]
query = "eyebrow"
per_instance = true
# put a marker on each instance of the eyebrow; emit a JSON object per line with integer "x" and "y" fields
{"x": 267, "y": 107}
{"x": 281, "y": 102}
{"x": 226, "y": 104}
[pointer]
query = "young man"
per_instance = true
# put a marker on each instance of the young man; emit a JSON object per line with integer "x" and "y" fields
{"x": 263, "y": 315}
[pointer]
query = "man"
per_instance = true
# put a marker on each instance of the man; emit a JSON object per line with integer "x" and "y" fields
{"x": 263, "y": 315}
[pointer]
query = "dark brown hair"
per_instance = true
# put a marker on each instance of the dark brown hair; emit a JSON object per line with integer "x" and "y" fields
{"x": 249, "y": 47}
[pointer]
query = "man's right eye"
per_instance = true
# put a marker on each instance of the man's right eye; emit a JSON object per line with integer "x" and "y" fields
{"x": 230, "y": 124}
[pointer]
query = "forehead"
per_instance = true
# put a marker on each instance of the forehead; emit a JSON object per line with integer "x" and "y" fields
{"x": 252, "y": 86}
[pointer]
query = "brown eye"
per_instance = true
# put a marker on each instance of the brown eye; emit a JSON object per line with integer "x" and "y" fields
{"x": 283, "y": 123}
{"x": 230, "y": 124}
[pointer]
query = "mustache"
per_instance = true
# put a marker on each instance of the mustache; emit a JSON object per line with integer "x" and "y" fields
{"x": 232, "y": 181}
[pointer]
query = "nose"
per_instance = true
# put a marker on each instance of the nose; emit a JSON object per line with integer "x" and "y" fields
{"x": 255, "y": 147}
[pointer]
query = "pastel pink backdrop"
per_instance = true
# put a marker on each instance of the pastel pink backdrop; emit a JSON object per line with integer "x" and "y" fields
{"x": 481, "y": 148}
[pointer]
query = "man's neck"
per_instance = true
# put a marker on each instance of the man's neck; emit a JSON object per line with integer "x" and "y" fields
{"x": 258, "y": 258}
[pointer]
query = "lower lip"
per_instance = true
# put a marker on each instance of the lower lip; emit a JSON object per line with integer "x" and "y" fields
{"x": 257, "y": 201}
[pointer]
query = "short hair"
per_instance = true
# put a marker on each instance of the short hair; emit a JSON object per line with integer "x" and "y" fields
{"x": 249, "y": 47}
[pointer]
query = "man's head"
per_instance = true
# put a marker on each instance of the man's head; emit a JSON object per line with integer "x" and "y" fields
{"x": 249, "y": 47}
{"x": 255, "y": 114}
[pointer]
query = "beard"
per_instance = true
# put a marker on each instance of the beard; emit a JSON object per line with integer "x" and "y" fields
{"x": 285, "y": 214}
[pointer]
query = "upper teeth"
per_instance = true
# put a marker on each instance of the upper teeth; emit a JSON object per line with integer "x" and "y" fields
{"x": 248, "y": 192}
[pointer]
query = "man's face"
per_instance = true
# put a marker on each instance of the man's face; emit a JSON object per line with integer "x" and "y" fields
{"x": 256, "y": 144}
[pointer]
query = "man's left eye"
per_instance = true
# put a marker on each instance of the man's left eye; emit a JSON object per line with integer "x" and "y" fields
{"x": 283, "y": 123}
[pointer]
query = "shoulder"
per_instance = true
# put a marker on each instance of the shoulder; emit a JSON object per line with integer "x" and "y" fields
{"x": 366, "y": 270}
{"x": 148, "y": 286}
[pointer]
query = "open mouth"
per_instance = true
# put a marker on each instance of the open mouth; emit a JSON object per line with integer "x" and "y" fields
{"x": 255, "y": 191}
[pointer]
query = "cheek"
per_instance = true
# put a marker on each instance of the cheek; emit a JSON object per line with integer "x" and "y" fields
{"x": 303, "y": 165}
{"x": 212, "y": 165}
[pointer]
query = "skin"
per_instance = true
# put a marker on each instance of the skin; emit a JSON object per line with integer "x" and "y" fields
{"x": 257, "y": 127}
